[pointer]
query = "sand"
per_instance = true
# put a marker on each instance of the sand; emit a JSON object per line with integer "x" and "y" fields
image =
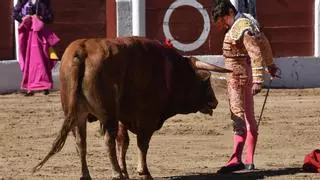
{"x": 191, "y": 147}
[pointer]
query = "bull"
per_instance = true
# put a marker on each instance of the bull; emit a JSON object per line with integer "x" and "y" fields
{"x": 130, "y": 83}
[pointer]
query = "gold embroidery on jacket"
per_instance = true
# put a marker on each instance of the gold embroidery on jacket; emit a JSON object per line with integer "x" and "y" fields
{"x": 239, "y": 27}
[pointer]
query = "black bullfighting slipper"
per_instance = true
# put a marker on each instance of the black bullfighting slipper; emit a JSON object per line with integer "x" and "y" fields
{"x": 250, "y": 167}
{"x": 231, "y": 168}
{"x": 28, "y": 94}
{"x": 46, "y": 92}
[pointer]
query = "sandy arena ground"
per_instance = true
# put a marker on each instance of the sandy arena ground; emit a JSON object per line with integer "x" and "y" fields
{"x": 188, "y": 147}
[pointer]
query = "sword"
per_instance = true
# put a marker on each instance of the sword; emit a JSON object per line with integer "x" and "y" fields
{"x": 264, "y": 103}
{"x": 277, "y": 75}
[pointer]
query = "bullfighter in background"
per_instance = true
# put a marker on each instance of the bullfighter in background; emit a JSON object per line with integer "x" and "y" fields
{"x": 35, "y": 42}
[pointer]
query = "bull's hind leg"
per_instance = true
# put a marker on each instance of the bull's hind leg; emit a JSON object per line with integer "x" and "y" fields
{"x": 110, "y": 128}
{"x": 143, "y": 145}
{"x": 80, "y": 134}
{"x": 122, "y": 147}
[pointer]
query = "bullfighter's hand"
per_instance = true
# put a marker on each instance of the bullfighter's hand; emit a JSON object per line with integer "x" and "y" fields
{"x": 39, "y": 17}
{"x": 273, "y": 70}
{"x": 256, "y": 88}
{"x": 25, "y": 17}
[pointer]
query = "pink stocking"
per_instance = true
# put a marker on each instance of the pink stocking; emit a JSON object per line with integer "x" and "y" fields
{"x": 238, "y": 144}
{"x": 251, "y": 146}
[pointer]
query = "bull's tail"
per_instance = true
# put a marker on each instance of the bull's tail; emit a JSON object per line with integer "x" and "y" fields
{"x": 75, "y": 70}
{"x": 58, "y": 142}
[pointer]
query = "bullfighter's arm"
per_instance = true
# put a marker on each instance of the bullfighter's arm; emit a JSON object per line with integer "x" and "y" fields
{"x": 251, "y": 43}
{"x": 268, "y": 55}
{"x": 46, "y": 12}
{"x": 17, "y": 10}
{"x": 265, "y": 49}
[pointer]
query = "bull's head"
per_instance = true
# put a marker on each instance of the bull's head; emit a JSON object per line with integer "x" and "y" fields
{"x": 207, "y": 99}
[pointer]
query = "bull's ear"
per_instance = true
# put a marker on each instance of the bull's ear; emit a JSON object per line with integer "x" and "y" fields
{"x": 203, "y": 75}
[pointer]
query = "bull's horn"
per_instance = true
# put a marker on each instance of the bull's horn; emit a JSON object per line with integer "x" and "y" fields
{"x": 211, "y": 67}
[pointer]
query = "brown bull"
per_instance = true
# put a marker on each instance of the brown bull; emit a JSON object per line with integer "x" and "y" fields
{"x": 128, "y": 84}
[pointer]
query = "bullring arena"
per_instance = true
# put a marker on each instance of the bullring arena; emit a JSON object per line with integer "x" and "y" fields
{"x": 191, "y": 147}
{"x": 187, "y": 147}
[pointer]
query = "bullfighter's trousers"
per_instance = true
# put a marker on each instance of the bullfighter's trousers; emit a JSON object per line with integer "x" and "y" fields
{"x": 239, "y": 84}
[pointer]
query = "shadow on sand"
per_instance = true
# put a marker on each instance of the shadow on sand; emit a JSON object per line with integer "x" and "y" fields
{"x": 244, "y": 175}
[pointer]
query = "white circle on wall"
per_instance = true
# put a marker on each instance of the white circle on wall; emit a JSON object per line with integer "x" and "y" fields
{"x": 206, "y": 25}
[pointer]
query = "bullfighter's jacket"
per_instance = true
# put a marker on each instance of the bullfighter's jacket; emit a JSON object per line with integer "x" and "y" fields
{"x": 243, "y": 41}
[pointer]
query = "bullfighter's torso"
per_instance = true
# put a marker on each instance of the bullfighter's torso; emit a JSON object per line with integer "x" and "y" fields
{"x": 244, "y": 43}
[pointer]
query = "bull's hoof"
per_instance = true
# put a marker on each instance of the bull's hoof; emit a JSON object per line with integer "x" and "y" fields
{"x": 145, "y": 176}
{"x": 118, "y": 177}
{"x": 125, "y": 174}
{"x": 85, "y": 178}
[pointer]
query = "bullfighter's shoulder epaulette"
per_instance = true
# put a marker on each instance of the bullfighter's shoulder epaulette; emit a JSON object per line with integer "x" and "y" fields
{"x": 240, "y": 26}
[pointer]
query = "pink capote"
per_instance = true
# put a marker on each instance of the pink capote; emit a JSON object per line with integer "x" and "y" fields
{"x": 34, "y": 41}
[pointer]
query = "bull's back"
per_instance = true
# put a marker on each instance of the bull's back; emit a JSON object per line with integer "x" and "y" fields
{"x": 137, "y": 66}
{"x": 133, "y": 65}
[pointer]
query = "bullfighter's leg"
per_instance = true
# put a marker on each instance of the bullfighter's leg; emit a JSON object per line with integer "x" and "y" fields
{"x": 80, "y": 134}
{"x": 110, "y": 128}
{"x": 236, "y": 103}
{"x": 236, "y": 92}
{"x": 239, "y": 138}
{"x": 122, "y": 147}
{"x": 252, "y": 129}
{"x": 143, "y": 146}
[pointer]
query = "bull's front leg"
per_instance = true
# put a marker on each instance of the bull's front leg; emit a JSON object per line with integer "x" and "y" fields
{"x": 110, "y": 130}
{"x": 122, "y": 147}
{"x": 80, "y": 134}
{"x": 143, "y": 145}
